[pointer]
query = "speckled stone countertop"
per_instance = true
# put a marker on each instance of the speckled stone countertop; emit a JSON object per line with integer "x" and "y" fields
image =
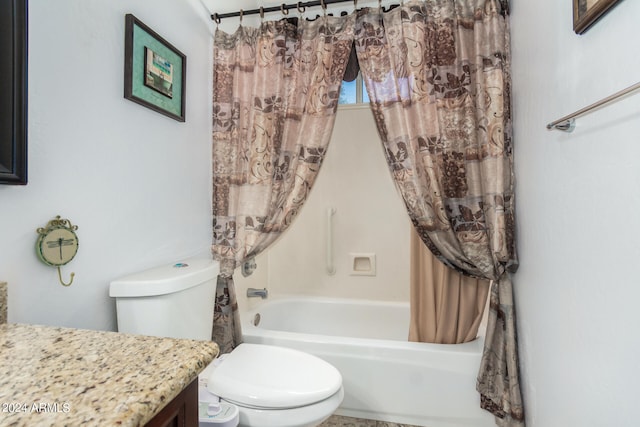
{"x": 69, "y": 377}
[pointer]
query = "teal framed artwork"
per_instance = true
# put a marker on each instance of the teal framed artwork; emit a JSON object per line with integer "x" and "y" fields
{"x": 154, "y": 70}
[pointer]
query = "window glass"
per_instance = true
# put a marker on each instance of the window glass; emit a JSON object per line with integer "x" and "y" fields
{"x": 348, "y": 92}
{"x": 353, "y": 92}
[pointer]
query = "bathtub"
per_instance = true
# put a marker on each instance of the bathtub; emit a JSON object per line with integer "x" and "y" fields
{"x": 385, "y": 377}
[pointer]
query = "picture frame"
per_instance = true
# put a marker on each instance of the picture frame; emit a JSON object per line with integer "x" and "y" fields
{"x": 154, "y": 70}
{"x": 587, "y": 12}
{"x": 13, "y": 92}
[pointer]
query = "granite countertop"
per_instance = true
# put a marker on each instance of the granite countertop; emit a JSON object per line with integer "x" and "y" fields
{"x": 53, "y": 376}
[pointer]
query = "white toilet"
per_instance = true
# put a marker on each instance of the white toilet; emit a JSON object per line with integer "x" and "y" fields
{"x": 271, "y": 386}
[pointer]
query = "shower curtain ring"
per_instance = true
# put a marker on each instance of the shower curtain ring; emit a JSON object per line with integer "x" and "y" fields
{"x": 284, "y": 11}
{"x": 216, "y": 19}
{"x": 301, "y": 8}
{"x": 241, "y": 15}
{"x": 261, "y": 14}
{"x": 324, "y": 7}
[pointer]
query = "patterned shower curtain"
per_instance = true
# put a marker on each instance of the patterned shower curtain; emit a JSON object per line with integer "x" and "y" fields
{"x": 276, "y": 91}
{"x": 438, "y": 77}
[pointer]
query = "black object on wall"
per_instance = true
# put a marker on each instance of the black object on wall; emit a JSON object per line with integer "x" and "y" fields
{"x": 13, "y": 92}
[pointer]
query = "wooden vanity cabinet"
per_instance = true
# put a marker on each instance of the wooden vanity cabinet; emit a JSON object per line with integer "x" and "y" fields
{"x": 182, "y": 411}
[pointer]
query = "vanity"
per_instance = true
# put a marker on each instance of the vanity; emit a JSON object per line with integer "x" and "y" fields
{"x": 51, "y": 376}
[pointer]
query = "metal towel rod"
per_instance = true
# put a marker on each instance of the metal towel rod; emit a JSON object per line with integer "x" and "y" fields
{"x": 567, "y": 123}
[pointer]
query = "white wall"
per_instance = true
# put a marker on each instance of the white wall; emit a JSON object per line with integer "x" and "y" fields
{"x": 370, "y": 218}
{"x": 577, "y": 289}
{"x": 137, "y": 183}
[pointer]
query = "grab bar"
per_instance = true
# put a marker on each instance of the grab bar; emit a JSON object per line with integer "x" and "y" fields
{"x": 331, "y": 269}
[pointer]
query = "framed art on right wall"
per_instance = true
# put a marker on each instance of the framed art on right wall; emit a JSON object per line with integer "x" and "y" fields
{"x": 587, "y": 12}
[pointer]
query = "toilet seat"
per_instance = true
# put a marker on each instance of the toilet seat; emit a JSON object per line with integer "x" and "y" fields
{"x": 304, "y": 416}
{"x": 266, "y": 377}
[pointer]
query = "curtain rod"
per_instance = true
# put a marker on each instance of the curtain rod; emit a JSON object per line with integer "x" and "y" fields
{"x": 262, "y": 10}
{"x": 567, "y": 123}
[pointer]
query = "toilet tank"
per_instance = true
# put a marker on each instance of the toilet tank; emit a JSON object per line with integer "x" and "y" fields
{"x": 174, "y": 300}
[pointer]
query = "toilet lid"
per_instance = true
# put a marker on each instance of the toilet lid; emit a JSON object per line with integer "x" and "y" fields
{"x": 264, "y": 376}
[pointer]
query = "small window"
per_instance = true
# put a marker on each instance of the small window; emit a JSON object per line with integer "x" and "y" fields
{"x": 353, "y": 92}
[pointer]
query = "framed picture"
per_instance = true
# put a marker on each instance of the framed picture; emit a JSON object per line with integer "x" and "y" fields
{"x": 587, "y": 12}
{"x": 13, "y": 92}
{"x": 154, "y": 70}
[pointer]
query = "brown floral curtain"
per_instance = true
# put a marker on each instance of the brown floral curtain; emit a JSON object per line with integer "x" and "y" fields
{"x": 438, "y": 76}
{"x": 275, "y": 97}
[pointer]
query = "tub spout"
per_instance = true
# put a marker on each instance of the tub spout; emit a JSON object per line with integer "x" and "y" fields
{"x": 253, "y": 292}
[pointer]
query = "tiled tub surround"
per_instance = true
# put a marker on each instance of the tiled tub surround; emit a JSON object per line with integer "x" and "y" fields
{"x": 58, "y": 376}
{"x": 3, "y": 302}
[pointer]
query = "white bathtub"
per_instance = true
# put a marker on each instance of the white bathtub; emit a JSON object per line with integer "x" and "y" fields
{"x": 385, "y": 377}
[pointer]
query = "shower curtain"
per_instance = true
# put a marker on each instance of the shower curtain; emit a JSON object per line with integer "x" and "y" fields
{"x": 438, "y": 76}
{"x": 446, "y": 306}
{"x": 275, "y": 97}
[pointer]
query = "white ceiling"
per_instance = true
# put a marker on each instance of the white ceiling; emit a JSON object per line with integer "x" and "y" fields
{"x": 224, "y": 6}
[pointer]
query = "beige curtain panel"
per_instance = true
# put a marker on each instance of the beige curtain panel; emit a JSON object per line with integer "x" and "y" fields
{"x": 446, "y": 306}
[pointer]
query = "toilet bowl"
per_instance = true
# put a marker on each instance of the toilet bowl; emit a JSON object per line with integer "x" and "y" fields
{"x": 271, "y": 386}
{"x": 275, "y": 386}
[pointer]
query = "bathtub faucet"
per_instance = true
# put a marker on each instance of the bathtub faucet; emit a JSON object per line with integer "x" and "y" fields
{"x": 253, "y": 292}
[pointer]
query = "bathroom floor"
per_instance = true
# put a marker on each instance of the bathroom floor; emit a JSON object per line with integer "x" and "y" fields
{"x": 339, "y": 421}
